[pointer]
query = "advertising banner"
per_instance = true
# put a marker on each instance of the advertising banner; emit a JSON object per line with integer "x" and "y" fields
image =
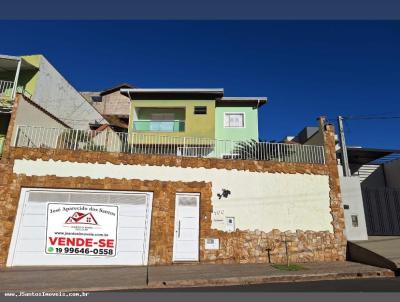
{"x": 81, "y": 229}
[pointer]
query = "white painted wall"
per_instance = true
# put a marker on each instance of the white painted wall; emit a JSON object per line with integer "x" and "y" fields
{"x": 56, "y": 95}
{"x": 262, "y": 201}
{"x": 351, "y": 195}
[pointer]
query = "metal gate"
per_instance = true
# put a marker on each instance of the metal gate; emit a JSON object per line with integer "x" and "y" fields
{"x": 382, "y": 211}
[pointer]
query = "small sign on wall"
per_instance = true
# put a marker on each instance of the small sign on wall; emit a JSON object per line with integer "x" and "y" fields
{"x": 81, "y": 229}
{"x": 230, "y": 224}
{"x": 211, "y": 243}
{"x": 218, "y": 216}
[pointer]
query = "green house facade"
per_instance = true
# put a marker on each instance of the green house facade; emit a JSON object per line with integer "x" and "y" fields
{"x": 173, "y": 117}
{"x": 237, "y": 119}
{"x": 197, "y": 115}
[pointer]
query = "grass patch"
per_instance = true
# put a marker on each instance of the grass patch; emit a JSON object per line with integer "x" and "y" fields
{"x": 291, "y": 267}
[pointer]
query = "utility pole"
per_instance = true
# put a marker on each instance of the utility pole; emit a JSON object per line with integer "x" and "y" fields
{"x": 342, "y": 140}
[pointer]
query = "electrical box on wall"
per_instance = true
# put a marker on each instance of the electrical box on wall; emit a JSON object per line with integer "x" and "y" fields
{"x": 230, "y": 224}
{"x": 212, "y": 244}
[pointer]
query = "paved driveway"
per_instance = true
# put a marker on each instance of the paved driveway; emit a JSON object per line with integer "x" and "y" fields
{"x": 386, "y": 246}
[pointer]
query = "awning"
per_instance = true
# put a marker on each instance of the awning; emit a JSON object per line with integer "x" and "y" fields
{"x": 10, "y": 63}
{"x": 363, "y": 156}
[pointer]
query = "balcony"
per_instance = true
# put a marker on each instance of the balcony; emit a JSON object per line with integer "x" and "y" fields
{"x": 140, "y": 143}
{"x": 159, "y": 126}
{"x": 6, "y": 89}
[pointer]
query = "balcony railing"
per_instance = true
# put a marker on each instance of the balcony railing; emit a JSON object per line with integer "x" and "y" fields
{"x": 72, "y": 139}
{"x": 6, "y": 89}
{"x": 159, "y": 126}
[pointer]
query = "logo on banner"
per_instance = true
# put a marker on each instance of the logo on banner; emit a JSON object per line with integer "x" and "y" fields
{"x": 81, "y": 218}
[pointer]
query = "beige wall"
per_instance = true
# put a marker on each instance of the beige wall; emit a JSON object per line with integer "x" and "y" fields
{"x": 317, "y": 139}
{"x": 114, "y": 104}
{"x": 268, "y": 200}
{"x": 109, "y": 139}
{"x": 30, "y": 115}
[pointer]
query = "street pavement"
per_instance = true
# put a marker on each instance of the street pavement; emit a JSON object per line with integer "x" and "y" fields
{"x": 174, "y": 276}
{"x": 354, "y": 285}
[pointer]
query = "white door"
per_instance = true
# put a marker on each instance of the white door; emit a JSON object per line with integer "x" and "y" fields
{"x": 124, "y": 215}
{"x": 186, "y": 236}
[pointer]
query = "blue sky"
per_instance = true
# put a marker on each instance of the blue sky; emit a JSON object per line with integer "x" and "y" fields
{"x": 305, "y": 68}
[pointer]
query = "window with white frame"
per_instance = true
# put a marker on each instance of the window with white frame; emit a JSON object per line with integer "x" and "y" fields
{"x": 234, "y": 120}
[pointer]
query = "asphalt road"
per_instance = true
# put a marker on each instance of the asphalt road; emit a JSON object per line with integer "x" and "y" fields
{"x": 355, "y": 285}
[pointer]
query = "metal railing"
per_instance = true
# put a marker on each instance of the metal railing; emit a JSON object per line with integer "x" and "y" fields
{"x": 109, "y": 141}
{"x": 159, "y": 126}
{"x": 6, "y": 89}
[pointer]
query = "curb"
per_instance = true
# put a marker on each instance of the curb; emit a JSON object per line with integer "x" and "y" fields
{"x": 232, "y": 281}
{"x": 220, "y": 282}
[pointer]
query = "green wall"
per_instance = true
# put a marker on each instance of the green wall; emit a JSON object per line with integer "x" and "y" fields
{"x": 238, "y": 134}
{"x": 29, "y": 78}
{"x": 196, "y": 125}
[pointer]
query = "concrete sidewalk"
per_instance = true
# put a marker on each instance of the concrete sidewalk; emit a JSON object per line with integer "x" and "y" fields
{"x": 126, "y": 278}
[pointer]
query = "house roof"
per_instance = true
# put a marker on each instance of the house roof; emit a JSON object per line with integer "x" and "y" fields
{"x": 102, "y": 127}
{"x": 116, "y": 88}
{"x": 173, "y": 93}
{"x": 362, "y": 156}
{"x": 256, "y": 100}
{"x": 193, "y": 93}
{"x": 10, "y": 63}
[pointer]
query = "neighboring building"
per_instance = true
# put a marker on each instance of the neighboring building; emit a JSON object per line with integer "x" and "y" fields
{"x": 108, "y": 138}
{"x": 29, "y": 113}
{"x": 37, "y": 79}
{"x": 371, "y": 195}
{"x": 378, "y": 173}
{"x": 16, "y": 74}
{"x": 112, "y": 105}
{"x": 39, "y": 82}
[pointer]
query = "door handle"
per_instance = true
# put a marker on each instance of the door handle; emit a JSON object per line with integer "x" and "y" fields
{"x": 179, "y": 229}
